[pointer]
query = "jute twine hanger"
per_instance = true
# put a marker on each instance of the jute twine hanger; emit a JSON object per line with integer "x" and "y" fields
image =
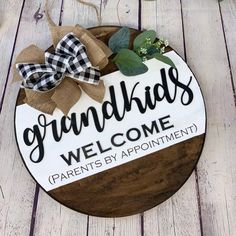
{"x": 97, "y": 10}
{"x": 60, "y": 97}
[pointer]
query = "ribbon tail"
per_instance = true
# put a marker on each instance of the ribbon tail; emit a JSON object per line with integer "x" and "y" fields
{"x": 97, "y": 59}
{"x": 58, "y": 32}
{"x": 108, "y": 52}
{"x": 31, "y": 54}
{"x": 49, "y": 19}
{"x": 66, "y": 95}
{"x": 40, "y": 101}
{"x": 96, "y": 92}
{"x": 92, "y": 44}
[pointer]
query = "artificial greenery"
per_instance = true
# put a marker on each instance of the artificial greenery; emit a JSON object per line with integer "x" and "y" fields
{"x": 120, "y": 40}
{"x": 145, "y": 47}
{"x": 141, "y": 40}
{"x": 129, "y": 63}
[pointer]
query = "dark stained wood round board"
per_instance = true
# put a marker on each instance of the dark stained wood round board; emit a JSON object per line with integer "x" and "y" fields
{"x": 160, "y": 154}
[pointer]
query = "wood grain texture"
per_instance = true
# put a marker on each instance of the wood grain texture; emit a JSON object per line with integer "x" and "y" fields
{"x": 135, "y": 186}
{"x": 206, "y": 54}
{"x": 216, "y": 171}
{"x": 55, "y": 219}
{"x": 77, "y": 13}
{"x": 123, "y": 13}
{"x": 228, "y": 14}
{"x": 128, "y": 225}
{"x": 16, "y": 184}
{"x": 73, "y": 13}
{"x": 170, "y": 217}
{"x": 10, "y": 12}
{"x": 63, "y": 220}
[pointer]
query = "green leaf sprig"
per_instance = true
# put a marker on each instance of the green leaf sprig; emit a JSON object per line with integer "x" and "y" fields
{"x": 145, "y": 47}
{"x": 129, "y": 63}
{"x": 119, "y": 40}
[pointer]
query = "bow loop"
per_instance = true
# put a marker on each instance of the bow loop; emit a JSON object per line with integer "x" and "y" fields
{"x": 70, "y": 45}
{"x": 78, "y": 64}
{"x": 89, "y": 75}
{"x": 70, "y": 59}
{"x": 58, "y": 62}
{"x": 39, "y": 77}
{"x": 48, "y": 81}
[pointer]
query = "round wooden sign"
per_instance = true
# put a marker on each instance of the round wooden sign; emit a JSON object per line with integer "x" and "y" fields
{"x": 125, "y": 155}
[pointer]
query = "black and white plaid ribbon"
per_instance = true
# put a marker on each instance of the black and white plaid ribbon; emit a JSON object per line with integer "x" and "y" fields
{"x": 70, "y": 59}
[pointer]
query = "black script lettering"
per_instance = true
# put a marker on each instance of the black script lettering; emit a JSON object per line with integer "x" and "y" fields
{"x": 64, "y": 127}
{"x": 74, "y": 124}
{"x": 128, "y": 101}
{"x": 110, "y": 109}
{"x": 151, "y": 104}
{"x": 113, "y": 107}
{"x": 186, "y": 89}
{"x": 43, "y": 123}
{"x": 166, "y": 88}
{"x": 85, "y": 119}
{"x": 36, "y": 135}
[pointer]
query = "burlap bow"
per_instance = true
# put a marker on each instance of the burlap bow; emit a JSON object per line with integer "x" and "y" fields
{"x": 68, "y": 92}
{"x": 70, "y": 59}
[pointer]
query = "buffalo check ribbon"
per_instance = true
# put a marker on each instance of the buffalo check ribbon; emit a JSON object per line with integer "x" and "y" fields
{"x": 69, "y": 60}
